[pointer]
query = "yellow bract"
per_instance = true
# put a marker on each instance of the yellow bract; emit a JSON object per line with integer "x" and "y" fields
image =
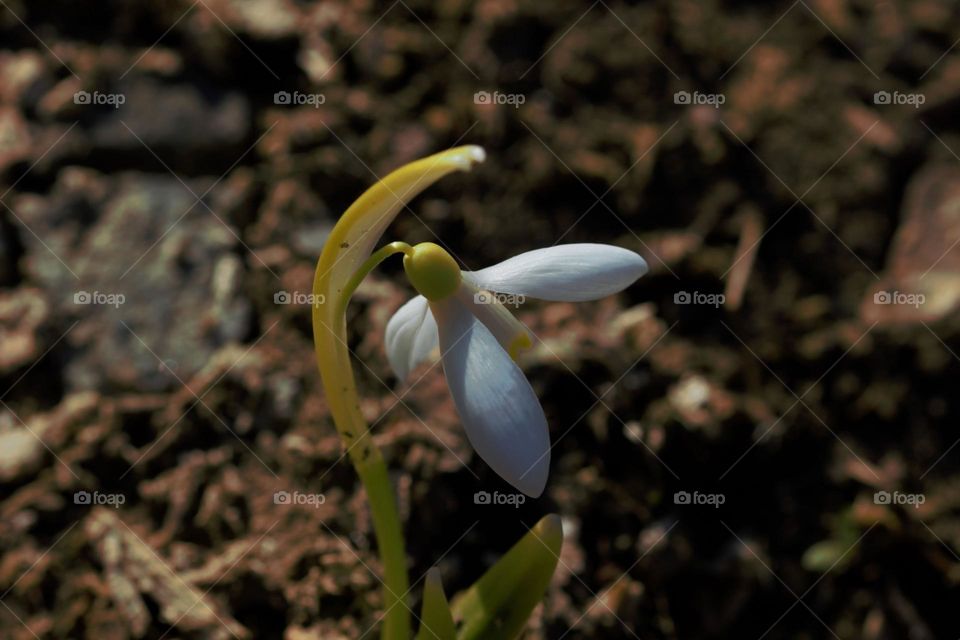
{"x": 432, "y": 271}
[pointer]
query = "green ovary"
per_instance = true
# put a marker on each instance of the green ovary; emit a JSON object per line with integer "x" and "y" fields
{"x": 432, "y": 271}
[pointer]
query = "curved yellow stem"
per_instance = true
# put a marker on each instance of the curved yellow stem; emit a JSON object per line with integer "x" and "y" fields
{"x": 344, "y": 255}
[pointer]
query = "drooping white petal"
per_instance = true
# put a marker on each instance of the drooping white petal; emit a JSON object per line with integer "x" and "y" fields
{"x": 567, "y": 272}
{"x": 410, "y": 337}
{"x": 512, "y": 334}
{"x": 499, "y": 410}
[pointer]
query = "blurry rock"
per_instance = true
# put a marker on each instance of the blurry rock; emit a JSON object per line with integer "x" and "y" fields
{"x": 309, "y": 240}
{"x": 22, "y": 447}
{"x": 228, "y": 311}
{"x": 50, "y": 228}
{"x": 155, "y": 279}
{"x": 265, "y": 19}
{"x": 22, "y": 72}
{"x": 21, "y": 452}
{"x": 921, "y": 282}
{"x": 22, "y": 313}
{"x": 699, "y": 403}
{"x": 293, "y": 214}
{"x": 690, "y": 394}
{"x": 317, "y": 58}
{"x": 178, "y": 121}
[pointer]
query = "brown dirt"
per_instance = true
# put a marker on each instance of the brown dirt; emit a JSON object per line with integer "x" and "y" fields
{"x": 802, "y": 198}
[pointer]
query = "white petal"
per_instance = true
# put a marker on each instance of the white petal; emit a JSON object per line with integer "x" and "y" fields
{"x": 512, "y": 334}
{"x": 499, "y": 410}
{"x": 567, "y": 272}
{"x": 411, "y": 336}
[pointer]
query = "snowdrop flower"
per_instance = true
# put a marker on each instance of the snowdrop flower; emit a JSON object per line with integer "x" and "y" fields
{"x": 479, "y": 339}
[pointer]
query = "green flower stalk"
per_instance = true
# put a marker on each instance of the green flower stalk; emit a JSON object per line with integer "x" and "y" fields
{"x": 465, "y": 314}
{"x": 346, "y": 259}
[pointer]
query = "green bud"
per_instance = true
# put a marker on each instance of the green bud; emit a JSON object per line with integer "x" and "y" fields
{"x": 432, "y": 271}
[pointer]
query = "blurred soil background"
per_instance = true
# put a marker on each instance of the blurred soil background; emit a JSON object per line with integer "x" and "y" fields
{"x": 161, "y": 193}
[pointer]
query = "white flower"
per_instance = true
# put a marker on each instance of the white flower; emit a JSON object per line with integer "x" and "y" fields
{"x": 479, "y": 339}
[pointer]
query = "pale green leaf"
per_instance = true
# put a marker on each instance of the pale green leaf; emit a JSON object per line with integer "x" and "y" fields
{"x": 499, "y": 604}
